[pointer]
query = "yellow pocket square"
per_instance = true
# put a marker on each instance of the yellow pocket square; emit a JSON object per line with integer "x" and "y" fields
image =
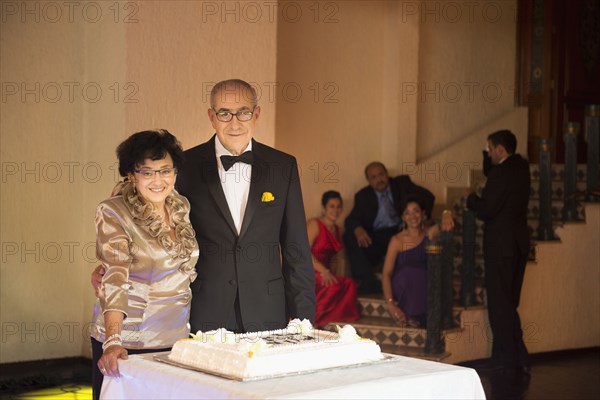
{"x": 267, "y": 197}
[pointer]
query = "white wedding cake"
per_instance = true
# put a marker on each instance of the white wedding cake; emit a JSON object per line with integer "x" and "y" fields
{"x": 298, "y": 348}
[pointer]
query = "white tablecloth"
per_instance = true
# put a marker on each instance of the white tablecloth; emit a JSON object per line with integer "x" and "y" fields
{"x": 403, "y": 377}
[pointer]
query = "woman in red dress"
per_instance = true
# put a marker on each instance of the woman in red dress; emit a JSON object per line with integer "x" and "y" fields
{"x": 336, "y": 295}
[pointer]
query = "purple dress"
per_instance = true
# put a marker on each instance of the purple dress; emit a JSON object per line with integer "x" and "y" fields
{"x": 409, "y": 282}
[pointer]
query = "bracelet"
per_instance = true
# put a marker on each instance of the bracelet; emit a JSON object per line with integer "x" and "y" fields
{"x": 391, "y": 300}
{"x": 446, "y": 212}
{"x": 113, "y": 336}
{"x": 106, "y": 345}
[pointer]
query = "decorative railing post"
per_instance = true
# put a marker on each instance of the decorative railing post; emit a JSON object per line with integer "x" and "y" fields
{"x": 592, "y": 136}
{"x": 545, "y": 231}
{"x": 467, "y": 269}
{"x": 447, "y": 240}
{"x": 434, "y": 343}
{"x": 569, "y": 210}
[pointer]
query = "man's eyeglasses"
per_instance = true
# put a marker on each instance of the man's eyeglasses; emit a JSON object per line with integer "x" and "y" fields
{"x": 149, "y": 173}
{"x": 226, "y": 116}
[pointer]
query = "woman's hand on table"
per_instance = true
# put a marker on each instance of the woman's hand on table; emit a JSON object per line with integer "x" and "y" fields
{"x": 108, "y": 364}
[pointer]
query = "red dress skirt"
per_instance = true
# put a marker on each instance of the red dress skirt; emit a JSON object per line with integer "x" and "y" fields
{"x": 336, "y": 302}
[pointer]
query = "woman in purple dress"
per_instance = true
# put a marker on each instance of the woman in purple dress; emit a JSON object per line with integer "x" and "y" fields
{"x": 404, "y": 275}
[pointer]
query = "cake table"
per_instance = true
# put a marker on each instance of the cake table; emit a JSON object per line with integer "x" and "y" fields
{"x": 399, "y": 377}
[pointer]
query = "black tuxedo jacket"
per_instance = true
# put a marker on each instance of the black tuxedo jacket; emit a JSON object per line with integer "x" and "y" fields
{"x": 268, "y": 263}
{"x": 503, "y": 208}
{"x": 366, "y": 205}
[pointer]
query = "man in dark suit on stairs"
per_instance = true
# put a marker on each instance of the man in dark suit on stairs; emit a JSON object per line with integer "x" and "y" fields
{"x": 374, "y": 219}
{"x": 503, "y": 208}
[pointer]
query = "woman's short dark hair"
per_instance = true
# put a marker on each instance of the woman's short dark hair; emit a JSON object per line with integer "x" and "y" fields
{"x": 153, "y": 144}
{"x": 328, "y": 195}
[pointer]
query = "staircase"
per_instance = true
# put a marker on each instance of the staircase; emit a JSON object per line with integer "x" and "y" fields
{"x": 470, "y": 338}
{"x": 375, "y": 323}
{"x": 532, "y": 215}
{"x": 557, "y": 195}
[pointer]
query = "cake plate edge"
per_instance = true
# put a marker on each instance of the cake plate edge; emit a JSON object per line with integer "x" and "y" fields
{"x": 164, "y": 358}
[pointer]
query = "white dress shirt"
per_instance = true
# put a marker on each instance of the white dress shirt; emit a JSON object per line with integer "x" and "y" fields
{"x": 235, "y": 183}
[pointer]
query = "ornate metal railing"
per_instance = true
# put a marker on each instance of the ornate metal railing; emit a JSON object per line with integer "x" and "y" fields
{"x": 592, "y": 137}
{"x": 545, "y": 230}
{"x": 440, "y": 262}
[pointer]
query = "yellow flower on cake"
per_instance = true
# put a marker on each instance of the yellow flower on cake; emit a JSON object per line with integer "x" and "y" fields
{"x": 267, "y": 197}
{"x": 257, "y": 347}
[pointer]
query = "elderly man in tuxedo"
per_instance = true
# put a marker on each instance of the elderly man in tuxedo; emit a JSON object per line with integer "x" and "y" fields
{"x": 255, "y": 269}
{"x": 374, "y": 219}
{"x": 503, "y": 208}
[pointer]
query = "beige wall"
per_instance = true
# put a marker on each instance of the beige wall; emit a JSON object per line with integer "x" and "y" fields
{"x": 152, "y": 62}
{"x": 465, "y": 89}
{"x": 466, "y": 70}
{"x": 560, "y": 300}
{"x": 407, "y": 81}
{"x": 349, "y": 71}
{"x": 179, "y": 49}
{"x": 56, "y": 111}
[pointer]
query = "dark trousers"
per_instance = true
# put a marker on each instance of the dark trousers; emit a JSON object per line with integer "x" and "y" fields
{"x": 365, "y": 261}
{"x": 97, "y": 377}
{"x": 503, "y": 281}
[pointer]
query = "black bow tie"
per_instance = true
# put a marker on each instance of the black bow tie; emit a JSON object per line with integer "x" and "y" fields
{"x": 245, "y": 157}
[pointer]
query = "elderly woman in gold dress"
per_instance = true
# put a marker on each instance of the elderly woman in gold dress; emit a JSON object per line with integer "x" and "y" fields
{"x": 148, "y": 249}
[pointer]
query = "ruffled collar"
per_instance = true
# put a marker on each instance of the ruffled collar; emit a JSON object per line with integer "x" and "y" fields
{"x": 145, "y": 215}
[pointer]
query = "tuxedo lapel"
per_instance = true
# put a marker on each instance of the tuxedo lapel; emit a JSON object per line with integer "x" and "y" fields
{"x": 211, "y": 172}
{"x": 259, "y": 172}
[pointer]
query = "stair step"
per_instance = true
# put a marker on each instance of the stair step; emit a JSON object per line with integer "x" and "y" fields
{"x": 372, "y": 332}
{"x": 557, "y": 172}
{"x": 557, "y": 197}
{"x": 533, "y": 211}
{"x": 557, "y": 192}
{"x": 479, "y": 294}
{"x": 374, "y": 306}
{"x": 386, "y": 331}
{"x": 533, "y": 215}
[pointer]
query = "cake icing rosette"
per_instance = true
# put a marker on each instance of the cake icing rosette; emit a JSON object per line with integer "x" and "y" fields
{"x": 220, "y": 335}
{"x": 347, "y": 334}
{"x": 299, "y": 327}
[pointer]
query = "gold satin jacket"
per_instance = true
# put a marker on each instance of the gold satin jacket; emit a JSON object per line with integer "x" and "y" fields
{"x": 148, "y": 274}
